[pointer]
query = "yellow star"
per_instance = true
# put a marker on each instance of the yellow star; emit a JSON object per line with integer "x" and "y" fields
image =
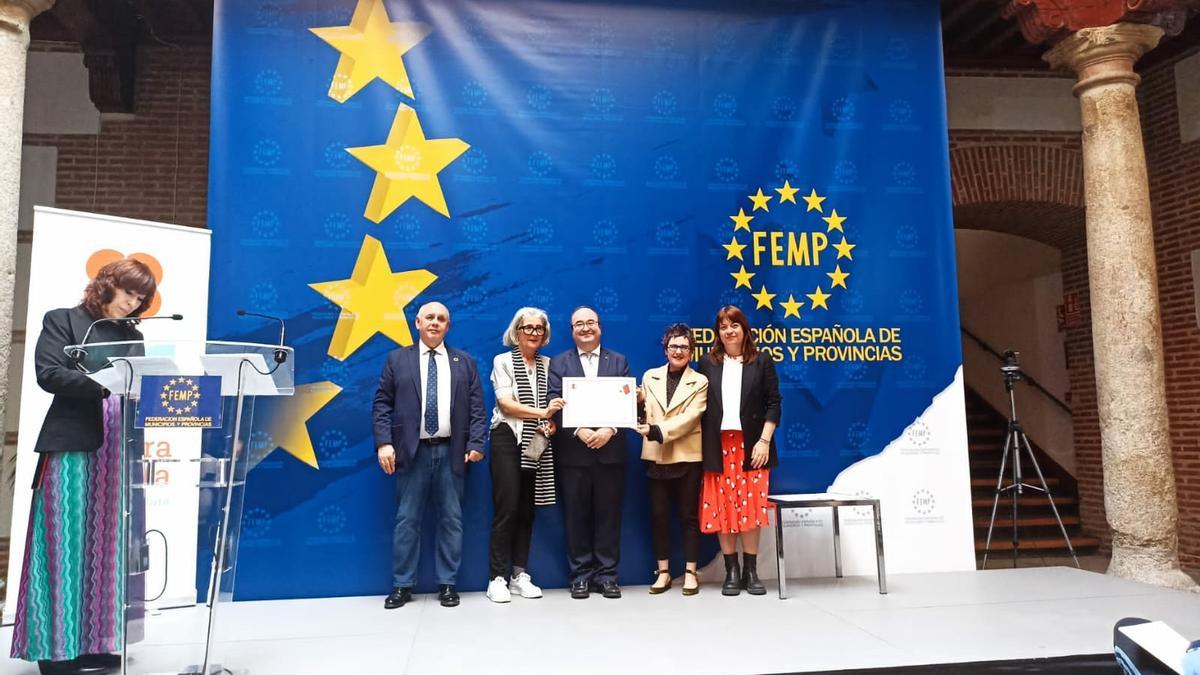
{"x": 814, "y": 202}
{"x": 787, "y": 193}
{"x": 834, "y": 221}
{"x": 407, "y": 165}
{"x": 764, "y": 298}
{"x": 818, "y": 299}
{"x": 195, "y": 387}
{"x": 286, "y": 421}
{"x": 372, "y": 46}
{"x": 372, "y": 300}
{"x": 734, "y": 249}
{"x": 760, "y": 201}
{"x": 742, "y": 278}
{"x": 741, "y": 221}
{"x": 838, "y": 277}
{"x": 844, "y": 249}
{"x": 170, "y": 410}
{"x": 163, "y": 396}
{"x": 791, "y": 307}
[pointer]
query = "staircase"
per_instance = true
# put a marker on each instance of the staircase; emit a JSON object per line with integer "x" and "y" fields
{"x": 1038, "y": 532}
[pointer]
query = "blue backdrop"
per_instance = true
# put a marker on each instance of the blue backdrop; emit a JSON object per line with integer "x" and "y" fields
{"x": 607, "y": 154}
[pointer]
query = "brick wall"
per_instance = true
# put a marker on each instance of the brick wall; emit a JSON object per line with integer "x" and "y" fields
{"x": 1175, "y": 198}
{"x": 154, "y": 163}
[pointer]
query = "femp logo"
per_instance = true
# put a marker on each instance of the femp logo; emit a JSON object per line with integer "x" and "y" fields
{"x": 605, "y": 233}
{"x": 667, "y": 233}
{"x": 475, "y": 229}
{"x": 911, "y": 302}
{"x": 607, "y": 300}
{"x": 786, "y": 169}
{"x": 914, "y": 367}
{"x": 256, "y": 523}
{"x": 664, "y": 103}
{"x": 857, "y": 437}
{"x": 669, "y": 302}
{"x": 904, "y": 174}
{"x": 407, "y": 227}
{"x": 843, "y": 110}
{"x": 724, "y": 106}
{"x": 540, "y": 296}
{"x": 265, "y": 224}
{"x": 335, "y": 371}
{"x": 907, "y": 237}
{"x": 603, "y": 101}
{"x": 264, "y": 295}
{"x": 783, "y": 108}
{"x": 666, "y": 168}
{"x": 898, "y": 49}
{"x": 337, "y": 226}
{"x": 335, "y": 155}
{"x": 331, "y": 445}
{"x": 540, "y": 164}
{"x": 268, "y": 82}
{"x": 845, "y": 172}
{"x": 798, "y": 442}
{"x": 726, "y": 170}
{"x": 331, "y": 519}
{"x": 900, "y": 111}
{"x": 473, "y": 95}
{"x": 853, "y": 301}
{"x": 541, "y": 231}
{"x": 539, "y": 98}
{"x": 604, "y": 166}
{"x": 923, "y": 508}
{"x": 918, "y": 434}
{"x": 266, "y": 152}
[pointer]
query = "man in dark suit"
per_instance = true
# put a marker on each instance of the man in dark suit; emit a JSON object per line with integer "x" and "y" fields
{"x": 591, "y": 467}
{"x": 429, "y": 423}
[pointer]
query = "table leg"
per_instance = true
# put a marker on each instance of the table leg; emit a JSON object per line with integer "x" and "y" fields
{"x": 880, "y": 568}
{"x": 780, "y": 563}
{"x": 837, "y": 543}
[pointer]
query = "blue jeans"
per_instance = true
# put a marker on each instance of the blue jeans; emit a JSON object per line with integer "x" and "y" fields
{"x": 430, "y": 478}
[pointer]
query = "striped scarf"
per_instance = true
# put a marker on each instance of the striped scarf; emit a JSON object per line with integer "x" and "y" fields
{"x": 543, "y": 482}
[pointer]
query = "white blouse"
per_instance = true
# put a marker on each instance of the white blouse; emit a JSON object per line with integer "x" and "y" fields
{"x": 731, "y": 393}
{"x": 504, "y": 384}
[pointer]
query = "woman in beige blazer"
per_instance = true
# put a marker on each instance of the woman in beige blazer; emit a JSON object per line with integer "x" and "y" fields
{"x": 674, "y": 396}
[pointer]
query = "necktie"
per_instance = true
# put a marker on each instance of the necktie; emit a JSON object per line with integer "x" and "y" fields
{"x": 431, "y": 402}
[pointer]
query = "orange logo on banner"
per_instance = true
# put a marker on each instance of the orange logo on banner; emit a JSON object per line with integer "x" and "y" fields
{"x": 104, "y": 256}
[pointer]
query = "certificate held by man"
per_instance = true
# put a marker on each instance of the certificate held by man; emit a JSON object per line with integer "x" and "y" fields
{"x": 594, "y": 402}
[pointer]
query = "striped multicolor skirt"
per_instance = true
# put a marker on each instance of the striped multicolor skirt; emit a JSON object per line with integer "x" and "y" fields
{"x": 72, "y": 589}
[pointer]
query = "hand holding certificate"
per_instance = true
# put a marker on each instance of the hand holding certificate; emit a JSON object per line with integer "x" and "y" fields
{"x": 600, "y": 402}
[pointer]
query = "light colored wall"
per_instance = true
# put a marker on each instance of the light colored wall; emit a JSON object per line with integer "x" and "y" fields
{"x": 1012, "y": 103}
{"x": 1009, "y": 288}
{"x": 56, "y": 95}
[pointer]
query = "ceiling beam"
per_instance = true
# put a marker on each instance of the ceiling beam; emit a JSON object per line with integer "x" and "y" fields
{"x": 109, "y": 42}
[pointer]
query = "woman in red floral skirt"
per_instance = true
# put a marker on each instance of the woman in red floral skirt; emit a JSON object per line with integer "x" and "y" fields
{"x": 738, "y": 448}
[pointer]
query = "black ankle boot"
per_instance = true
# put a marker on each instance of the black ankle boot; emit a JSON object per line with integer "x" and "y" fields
{"x": 750, "y": 580}
{"x": 732, "y": 585}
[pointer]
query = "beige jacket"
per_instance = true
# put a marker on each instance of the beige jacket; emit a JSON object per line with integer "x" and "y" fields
{"x": 678, "y": 419}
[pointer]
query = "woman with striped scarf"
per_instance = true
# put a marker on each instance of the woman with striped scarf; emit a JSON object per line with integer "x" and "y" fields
{"x": 521, "y": 457}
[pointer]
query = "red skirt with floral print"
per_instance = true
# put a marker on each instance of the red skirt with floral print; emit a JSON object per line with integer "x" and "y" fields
{"x": 734, "y": 500}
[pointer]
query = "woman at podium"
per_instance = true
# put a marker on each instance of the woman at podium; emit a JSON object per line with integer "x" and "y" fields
{"x": 70, "y": 606}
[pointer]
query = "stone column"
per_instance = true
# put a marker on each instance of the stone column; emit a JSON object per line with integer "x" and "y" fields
{"x": 1139, "y": 480}
{"x": 15, "y": 16}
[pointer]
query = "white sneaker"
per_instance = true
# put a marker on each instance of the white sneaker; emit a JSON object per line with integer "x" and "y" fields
{"x": 523, "y": 585}
{"x": 498, "y": 590}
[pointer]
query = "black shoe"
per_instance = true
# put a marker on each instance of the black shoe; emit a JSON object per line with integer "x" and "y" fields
{"x": 610, "y": 589}
{"x": 447, "y": 595}
{"x": 397, "y": 598}
{"x": 579, "y": 590}
{"x": 733, "y": 583}
{"x": 751, "y": 583}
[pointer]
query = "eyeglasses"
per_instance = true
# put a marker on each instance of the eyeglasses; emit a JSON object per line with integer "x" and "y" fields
{"x": 678, "y": 348}
{"x": 580, "y": 325}
{"x": 530, "y": 329}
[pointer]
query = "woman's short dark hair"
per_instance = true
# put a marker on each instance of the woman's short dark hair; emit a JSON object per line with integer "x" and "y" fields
{"x": 678, "y": 330}
{"x": 132, "y": 276}
{"x": 734, "y": 315}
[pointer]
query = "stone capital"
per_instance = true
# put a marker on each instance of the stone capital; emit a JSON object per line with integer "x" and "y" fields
{"x": 15, "y": 15}
{"x": 1104, "y": 55}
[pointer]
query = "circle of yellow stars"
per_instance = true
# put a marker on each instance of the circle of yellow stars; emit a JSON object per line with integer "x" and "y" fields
{"x": 818, "y": 299}
{"x": 183, "y": 409}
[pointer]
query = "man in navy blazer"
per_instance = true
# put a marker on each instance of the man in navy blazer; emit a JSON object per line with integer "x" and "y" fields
{"x": 429, "y": 423}
{"x": 591, "y": 467}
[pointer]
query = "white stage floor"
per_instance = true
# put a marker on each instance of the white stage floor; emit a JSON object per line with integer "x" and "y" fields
{"x": 826, "y": 624}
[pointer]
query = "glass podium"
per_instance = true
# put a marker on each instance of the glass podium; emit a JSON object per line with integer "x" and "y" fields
{"x": 187, "y": 418}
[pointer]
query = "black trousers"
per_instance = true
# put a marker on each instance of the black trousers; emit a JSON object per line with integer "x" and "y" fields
{"x": 685, "y": 492}
{"x": 591, "y": 498}
{"x": 512, "y": 502}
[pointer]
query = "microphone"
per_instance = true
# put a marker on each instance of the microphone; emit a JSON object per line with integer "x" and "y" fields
{"x": 281, "y": 353}
{"x": 77, "y": 355}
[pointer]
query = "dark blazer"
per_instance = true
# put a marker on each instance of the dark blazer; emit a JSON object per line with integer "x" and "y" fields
{"x": 75, "y": 420}
{"x": 569, "y": 450}
{"x": 397, "y": 410}
{"x": 761, "y": 402}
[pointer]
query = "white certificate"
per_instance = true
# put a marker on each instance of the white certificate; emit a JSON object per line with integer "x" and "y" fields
{"x": 600, "y": 402}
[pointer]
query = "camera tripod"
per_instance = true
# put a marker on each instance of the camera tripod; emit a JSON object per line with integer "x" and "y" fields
{"x": 1014, "y": 441}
